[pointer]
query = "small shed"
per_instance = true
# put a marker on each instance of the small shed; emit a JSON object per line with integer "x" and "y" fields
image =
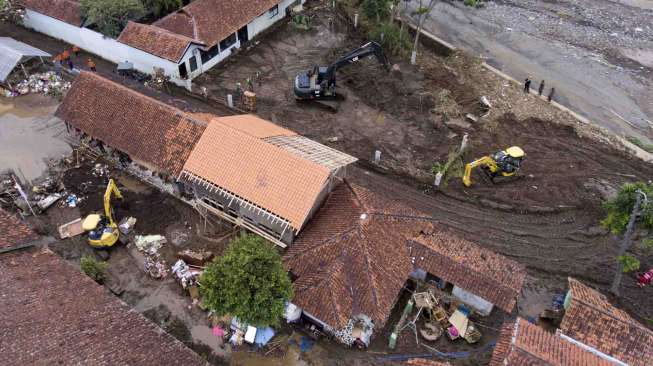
{"x": 14, "y": 53}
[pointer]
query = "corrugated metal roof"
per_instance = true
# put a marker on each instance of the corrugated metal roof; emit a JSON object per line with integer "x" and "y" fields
{"x": 12, "y": 51}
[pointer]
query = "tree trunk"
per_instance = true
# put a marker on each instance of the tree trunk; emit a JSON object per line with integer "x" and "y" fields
{"x": 422, "y": 17}
{"x": 625, "y": 245}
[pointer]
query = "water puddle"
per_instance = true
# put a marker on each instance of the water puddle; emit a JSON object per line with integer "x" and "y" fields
{"x": 291, "y": 358}
{"x": 204, "y": 334}
{"x": 30, "y": 135}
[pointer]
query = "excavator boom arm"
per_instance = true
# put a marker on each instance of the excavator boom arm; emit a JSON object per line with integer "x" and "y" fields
{"x": 486, "y": 160}
{"x": 366, "y": 50}
{"x": 112, "y": 189}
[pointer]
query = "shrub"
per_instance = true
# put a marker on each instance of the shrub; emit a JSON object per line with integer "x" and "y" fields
{"x": 93, "y": 268}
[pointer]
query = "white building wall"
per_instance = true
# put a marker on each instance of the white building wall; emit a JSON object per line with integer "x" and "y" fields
{"x": 479, "y": 304}
{"x": 105, "y": 47}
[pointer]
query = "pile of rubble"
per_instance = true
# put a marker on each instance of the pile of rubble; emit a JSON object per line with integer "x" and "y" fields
{"x": 48, "y": 83}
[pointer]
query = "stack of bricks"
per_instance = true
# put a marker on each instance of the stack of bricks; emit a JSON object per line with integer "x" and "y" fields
{"x": 250, "y": 101}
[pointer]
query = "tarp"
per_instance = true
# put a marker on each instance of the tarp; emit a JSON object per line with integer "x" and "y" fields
{"x": 12, "y": 52}
{"x": 263, "y": 336}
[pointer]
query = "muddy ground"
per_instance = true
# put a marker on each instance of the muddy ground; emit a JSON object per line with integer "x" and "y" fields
{"x": 547, "y": 219}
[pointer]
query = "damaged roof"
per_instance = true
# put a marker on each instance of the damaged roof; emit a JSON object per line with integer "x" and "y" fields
{"x": 521, "y": 343}
{"x": 480, "y": 271}
{"x": 52, "y": 314}
{"x": 63, "y": 10}
{"x": 148, "y": 130}
{"x": 13, "y": 232}
{"x": 268, "y": 176}
{"x": 211, "y": 21}
{"x": 354, "y": 256}
{"x": 156, "y": 41}
{"x": 590, "y": 318}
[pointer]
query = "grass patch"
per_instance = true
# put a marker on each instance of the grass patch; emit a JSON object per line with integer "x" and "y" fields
{"x": 643, "y": 145}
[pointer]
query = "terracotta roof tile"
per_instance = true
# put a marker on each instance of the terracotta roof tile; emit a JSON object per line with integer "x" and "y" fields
{"x": 255, "y": 126}
{"x": 525, "y": 344}
{"x": 354, "y": 257}
{"x": 64, "y": 10}
{"x": 268, "y": 176}
{"x": 14, "y": 232}
{"x": 211, "y": 21}
{"x": 591, "y": 319}
{"x": 482, "y": 272}
{"x": 154, "y": 40}
{"x": 424, "y": 362}
{"x": 144, "y": 128}
{"x": 53, "y": 314}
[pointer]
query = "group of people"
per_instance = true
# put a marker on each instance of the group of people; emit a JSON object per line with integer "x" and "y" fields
{"x": 250, "y": 85}
{"x": 65, "y": 58}
{"x": 540, "y": 90}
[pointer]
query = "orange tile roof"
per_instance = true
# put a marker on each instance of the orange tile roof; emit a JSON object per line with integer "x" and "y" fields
{"x": 154, "y": 40}
{"x": 211, "y": 21}
{"x": 480, "y": 271}
{"x": 524, "y": 344}
{"x": 255, "y": 126}
{"x": 424, "y": 362}
{"x": 64, "y": 10}
{"x": 593, "y": 320}
{"x": 267, "y": 176}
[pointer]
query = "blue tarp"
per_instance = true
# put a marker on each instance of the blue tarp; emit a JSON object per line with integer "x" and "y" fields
{"x": 263, "y": 336}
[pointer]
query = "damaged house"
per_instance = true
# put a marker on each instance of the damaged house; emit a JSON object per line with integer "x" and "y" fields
{"x": 53, "y": 314}
{"x": 183, "y": 44}
{"x": 357, "y": 253}
{"x": 593, "y": 333}
{"x": 243, "y": 169}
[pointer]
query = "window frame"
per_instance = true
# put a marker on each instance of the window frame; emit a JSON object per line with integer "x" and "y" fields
{"x": 273, "y": 11}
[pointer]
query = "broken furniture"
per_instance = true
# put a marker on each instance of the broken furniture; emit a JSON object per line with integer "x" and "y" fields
{"x": 70, "y": 229}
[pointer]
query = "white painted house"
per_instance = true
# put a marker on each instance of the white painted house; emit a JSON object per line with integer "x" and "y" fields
{"x": 184, "y": 44}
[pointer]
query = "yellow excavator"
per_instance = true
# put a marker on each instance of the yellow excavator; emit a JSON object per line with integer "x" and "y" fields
{"x": 102, "y": 230}
{"x": 503, "y": 163}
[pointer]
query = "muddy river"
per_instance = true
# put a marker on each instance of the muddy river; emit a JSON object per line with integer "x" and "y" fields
{"x": 30, "y": 134}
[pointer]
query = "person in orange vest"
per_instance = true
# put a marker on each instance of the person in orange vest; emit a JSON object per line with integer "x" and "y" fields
{"x": 76, "y": 50}
{"x": 91, "y": 64}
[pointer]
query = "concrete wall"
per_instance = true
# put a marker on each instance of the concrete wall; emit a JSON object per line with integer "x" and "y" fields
{"x": 105, "y": 47}
{"x": 479, "y": 304}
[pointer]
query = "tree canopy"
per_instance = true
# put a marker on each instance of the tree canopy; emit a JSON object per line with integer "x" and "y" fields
{"x": 248, "y": 281}
{"x": 11, "y": 11}
{"x": 162, "y": 7}
{"x": 111, "y": 16}
{"x": 620, "y": 208}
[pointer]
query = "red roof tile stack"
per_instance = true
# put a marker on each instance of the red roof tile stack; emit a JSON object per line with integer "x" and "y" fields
{"x": 146, "y": 129}
{"x": 156, "y": 41}
{"x": 354, "y": 256}
{"x": 524, "y": 344}
{"x": 64, "y": 10}
{"x": 482, "y": 272}
{"x": 211, "y": 21}
{"x": 591, "y": 319}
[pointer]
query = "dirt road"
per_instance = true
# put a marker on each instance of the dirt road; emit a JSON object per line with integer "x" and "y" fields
{"x": 596, "y": 53}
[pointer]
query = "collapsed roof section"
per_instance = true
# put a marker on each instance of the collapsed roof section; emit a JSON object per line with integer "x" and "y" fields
{"x": 590, "y": 318}
{"x": 359, "y": 250}
{"x": 275, "y": 180}
{"x": 147, "y": 130}
{"x": 210, "y": 21}
{"x": 13, "y": 52}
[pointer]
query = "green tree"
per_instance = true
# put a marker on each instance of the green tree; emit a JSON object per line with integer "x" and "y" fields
{"x": 162, "y": 7}
{"x": 376, "y": 9}
{"x": 248, "y": 281}
{"x": 93, "y": 268}
{"x": 111, "y": 16}
{"x": 630, "y": 207}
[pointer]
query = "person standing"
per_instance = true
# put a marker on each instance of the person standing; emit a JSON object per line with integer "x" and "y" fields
{"x": 540, "y": 90}
{"x": 91, "y": 64}
{"x": 250, "y": 85}
{"x": 550, "y": 97}
{"x": 76, "y": 50}
{"x": 70, "y": 64}
{"x": 527, "y": 85}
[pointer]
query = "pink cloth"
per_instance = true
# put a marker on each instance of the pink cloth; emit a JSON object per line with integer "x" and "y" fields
{"x": 218, "y": 332}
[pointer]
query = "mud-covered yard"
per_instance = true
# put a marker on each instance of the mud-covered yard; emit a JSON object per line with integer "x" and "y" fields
{"x": 548, "y": 218}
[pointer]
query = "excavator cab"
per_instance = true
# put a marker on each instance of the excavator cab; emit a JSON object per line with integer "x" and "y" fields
{"x": 503, "y": 163}
{"x": 102, "y": 229}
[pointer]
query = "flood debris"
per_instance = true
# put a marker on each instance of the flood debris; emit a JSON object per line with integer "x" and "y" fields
{"x": 48, "y": 83}
{"x": 153, "y": 264}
